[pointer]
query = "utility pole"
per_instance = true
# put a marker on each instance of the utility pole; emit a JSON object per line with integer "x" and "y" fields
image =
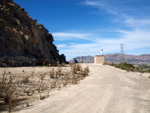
{"x": 122, "y": 51}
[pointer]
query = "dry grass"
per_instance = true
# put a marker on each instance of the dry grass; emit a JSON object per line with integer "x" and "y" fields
{"x": 59, "y": 72}
{"x": 8, "y": 91}
{"x": 75, "y": 68}
{"x": 52, "y": 73}
{"x": 20, "y": 89}
{"x": 42, "y": 76}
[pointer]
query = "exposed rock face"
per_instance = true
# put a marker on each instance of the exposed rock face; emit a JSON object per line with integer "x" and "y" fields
{"x": 22, "y": 38}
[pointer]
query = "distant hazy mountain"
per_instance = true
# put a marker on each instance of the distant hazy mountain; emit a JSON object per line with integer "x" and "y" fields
{"x": 117, "y": 58}
{"x": 84, "y": 59}
{"x": 134, "y": 59}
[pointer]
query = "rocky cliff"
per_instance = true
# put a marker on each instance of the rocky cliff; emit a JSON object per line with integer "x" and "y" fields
{"x": 22, "y": 40}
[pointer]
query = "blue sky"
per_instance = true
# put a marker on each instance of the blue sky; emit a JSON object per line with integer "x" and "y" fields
{"x": 84, "y": 27}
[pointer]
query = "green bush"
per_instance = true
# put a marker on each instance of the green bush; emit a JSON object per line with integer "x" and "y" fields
{"x": 126, "y": 66}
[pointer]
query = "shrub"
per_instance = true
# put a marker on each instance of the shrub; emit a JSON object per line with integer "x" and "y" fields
{"x": 75, "y": 68}
{"x": 87, "y": 70}
{"x": 22, "y": 9}
{"x": 14, "y": 89}
{"x": 46, "y": 62}
{"x": 26, "y": 79}
{"x": 42, "y": 76}
{"x": 126, "y": 66}
{"x": 83, "y": 72}
{"x": 78, "y": 67}
{"x": 8, "y": 91}
{"x": 58, "y": 71}
{"x": 52, "y": 73}
{"x": 63, "y": 64}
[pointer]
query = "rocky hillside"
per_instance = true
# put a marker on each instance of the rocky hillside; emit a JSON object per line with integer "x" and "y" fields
{"x": 22, "y": 40}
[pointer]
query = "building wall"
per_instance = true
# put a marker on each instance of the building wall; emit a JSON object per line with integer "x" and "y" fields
{"x": 99, "y": 59}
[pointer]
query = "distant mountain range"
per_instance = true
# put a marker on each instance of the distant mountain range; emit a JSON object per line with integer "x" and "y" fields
{"x": 133, "y": 59}
{"x": 117, "y": 58}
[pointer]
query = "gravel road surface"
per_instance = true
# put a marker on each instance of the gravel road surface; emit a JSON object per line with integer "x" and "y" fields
{"x": 105, "y": 90}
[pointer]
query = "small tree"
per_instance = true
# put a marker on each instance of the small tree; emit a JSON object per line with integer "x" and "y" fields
{"x": 63, "y": 58}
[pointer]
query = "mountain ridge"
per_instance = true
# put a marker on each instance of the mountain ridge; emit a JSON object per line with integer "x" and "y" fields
{"x": 118, "y": 58}
{"x": 133, "y": 59}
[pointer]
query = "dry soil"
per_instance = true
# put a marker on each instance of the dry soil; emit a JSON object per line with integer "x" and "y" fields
{"x": 105, "y": 90}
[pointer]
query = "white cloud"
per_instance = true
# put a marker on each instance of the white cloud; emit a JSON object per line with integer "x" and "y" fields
{"x": 112, "y": 8}
{"x": 132, "y": 40}
{"x": 137, "y": 38}
{"x": 138, "y": 23}
{"x": 71, "y": 43}
{"x": 61, "y": 45}
{"x": 101, "y": 4}
{"x": 90, "y": 3}
{"x": 69, "y": 36}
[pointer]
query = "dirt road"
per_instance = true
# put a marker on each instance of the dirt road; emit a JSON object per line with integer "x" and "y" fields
{"x": 105, "y": 90}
